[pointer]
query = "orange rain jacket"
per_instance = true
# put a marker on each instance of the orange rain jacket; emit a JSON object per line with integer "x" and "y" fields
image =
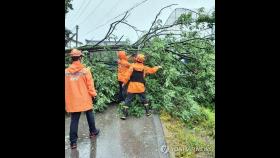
{"x": 79, "y": 88}
{"x": 123, "y": 66}
{"x": 138, "y": 87}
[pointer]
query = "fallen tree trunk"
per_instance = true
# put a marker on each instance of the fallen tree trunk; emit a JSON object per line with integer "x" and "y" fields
{"x": 105, "y": 48}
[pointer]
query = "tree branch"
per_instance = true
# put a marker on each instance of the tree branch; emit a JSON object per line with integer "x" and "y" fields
{"x": 153, "y": 23}
{"x": 112, "y": 28}
{"x": 133, "y": 27}
{"x": 144, "y": 38}
{"x": 181, "y": 57}
{"x": 119, "y": 40}
{"x": 196, "y": 46}
{"x": 158, "y": 16}
{"x": 203, "y": 39}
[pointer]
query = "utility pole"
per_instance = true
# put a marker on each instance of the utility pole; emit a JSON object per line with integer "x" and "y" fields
{"x": 77, "y": 27}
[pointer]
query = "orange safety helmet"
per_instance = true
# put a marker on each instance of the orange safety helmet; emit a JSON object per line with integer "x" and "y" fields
{"x": 140, "y": 58}
{"x": 122, "y": 55}
{"x": 76, "y": 53}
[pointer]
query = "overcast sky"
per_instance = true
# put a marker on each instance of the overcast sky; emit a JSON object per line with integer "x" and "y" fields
{"x": 93, "y": 16}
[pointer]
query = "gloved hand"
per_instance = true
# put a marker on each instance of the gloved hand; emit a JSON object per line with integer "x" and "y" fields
{"x": 159, "y": 67}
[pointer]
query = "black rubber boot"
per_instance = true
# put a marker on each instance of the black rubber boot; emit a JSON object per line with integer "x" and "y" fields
{"x": 124, "y": 112}
{"x": 73, "y": 146}
{"x": 94, "y": 134}
{"x": 146, "y": 105}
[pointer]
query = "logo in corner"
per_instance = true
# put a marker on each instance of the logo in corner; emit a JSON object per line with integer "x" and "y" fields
{"x": 164, "y": 149}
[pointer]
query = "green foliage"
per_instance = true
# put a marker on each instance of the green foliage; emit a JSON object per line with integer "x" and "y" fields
{"x": 68, "y": 6}
{"x": 68, "y": 33}
{"x": 135, "y": 109}
{"x": 185, "y": 142}
{"x": 208, "y": 123}
{"x": 185, "y": 19}
{"x": 183, "y": 88}
{"x": 105, "y": 84}
{"x": 185, "y": 85}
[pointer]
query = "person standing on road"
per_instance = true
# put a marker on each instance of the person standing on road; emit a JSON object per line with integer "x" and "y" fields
{"x": 79, "y": 95}
{"x": 123, "y": 66}
{"x": 134, "y": 79}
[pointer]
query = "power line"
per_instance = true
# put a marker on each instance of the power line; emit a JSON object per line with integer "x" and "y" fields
{"x": 114, "y": 7}
{"x": 107, "y": 14}
{"x": 81, "y": 9}
{"x": 78, "y": 11}
{"x": 89, "y": 2}
{"x": 136, "y": 5}
{"x": 93, "y": 11}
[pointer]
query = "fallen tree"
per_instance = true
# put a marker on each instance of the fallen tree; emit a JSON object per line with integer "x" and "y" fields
{"x": 187, "y": 81}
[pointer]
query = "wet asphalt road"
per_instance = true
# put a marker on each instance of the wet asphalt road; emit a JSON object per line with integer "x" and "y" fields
{"x": 132, "y": 138}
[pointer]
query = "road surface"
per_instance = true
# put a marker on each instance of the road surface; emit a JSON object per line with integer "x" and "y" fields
{"x": 132, "y": 138}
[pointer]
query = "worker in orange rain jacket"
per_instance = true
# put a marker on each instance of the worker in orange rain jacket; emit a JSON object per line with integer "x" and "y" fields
{"x": 123, "y": 66}
{"x": 79, "y": 95}
{"x": 136, "y": 83}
